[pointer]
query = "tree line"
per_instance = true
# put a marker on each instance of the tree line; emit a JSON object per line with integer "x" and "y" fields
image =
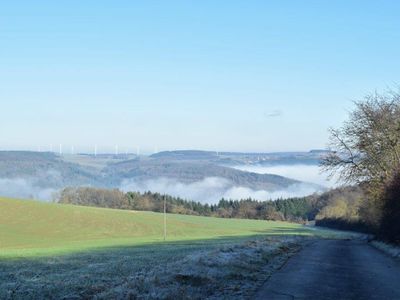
{"x": 293, "y": 209}
{"x": 338, "y": 208}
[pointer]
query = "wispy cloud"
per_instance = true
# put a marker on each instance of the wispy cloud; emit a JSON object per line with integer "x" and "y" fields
{"x": 274, "y": 114}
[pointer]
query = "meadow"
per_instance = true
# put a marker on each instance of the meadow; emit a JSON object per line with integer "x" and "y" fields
{"x": 51, "y": 250}
{"x": 33, "y": 228}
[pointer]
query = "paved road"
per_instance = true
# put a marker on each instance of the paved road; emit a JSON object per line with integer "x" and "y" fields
{"x": 335, "y": 269}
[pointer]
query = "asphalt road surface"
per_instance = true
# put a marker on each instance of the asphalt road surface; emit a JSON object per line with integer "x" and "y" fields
{"x": 335, "y": 269}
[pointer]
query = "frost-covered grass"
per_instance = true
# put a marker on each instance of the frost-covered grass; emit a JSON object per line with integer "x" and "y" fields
{"x": 231, "y": 271}
{"x": 192, "y": 270}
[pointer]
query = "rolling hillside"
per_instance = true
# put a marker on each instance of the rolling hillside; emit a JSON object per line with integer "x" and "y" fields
{"x": 35, "y": 228}
{"x": 72, "y": 252}
{"x": 39, "y": 175}
{"x": 192, "y": 171}
{"x": 45, "y": 169}
{"x": 237, "y": 158}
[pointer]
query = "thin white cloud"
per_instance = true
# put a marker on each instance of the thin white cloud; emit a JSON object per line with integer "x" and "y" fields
{"x": 274, "y": 114}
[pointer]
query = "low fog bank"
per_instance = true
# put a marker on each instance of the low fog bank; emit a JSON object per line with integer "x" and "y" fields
{"x": 301, "y": 172}
{"x": 209, "y": 190}
{"x": 25, "y": 189}
{"x": 212, "y": 189}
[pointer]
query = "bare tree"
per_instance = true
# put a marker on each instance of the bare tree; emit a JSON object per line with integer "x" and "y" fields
{"x": 367, "y": 147}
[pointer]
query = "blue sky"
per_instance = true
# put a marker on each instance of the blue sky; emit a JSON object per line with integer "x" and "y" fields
{"x": 218, "y": 75}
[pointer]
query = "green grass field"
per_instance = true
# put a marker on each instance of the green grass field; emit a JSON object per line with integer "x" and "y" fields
{"x": 32, "y": 228}
{"x": 73, "y": 252}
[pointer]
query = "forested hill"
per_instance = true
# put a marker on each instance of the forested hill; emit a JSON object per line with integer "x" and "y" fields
{"x": 188, "y": 172}
{"x": 45, "y": 169}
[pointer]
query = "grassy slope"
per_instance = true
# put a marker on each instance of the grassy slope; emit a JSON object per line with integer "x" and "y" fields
{"x": 29, "y": 228}
{"x": 113, "y": 251}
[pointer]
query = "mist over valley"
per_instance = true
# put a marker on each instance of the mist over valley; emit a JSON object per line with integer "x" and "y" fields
{"x": 201, "y": 176}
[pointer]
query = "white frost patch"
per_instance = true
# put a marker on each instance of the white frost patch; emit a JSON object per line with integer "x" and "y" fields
{"x": 234, "y": 271}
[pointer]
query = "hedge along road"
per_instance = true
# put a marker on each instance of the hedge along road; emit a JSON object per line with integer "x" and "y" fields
{"x": 335, "y": 269}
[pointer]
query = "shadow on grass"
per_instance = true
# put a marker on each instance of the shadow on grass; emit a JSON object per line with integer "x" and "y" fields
{"x": 98, "y": 269}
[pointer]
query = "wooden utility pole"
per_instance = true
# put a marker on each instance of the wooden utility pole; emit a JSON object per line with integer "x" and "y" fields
{"x": 165, "y": 218}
